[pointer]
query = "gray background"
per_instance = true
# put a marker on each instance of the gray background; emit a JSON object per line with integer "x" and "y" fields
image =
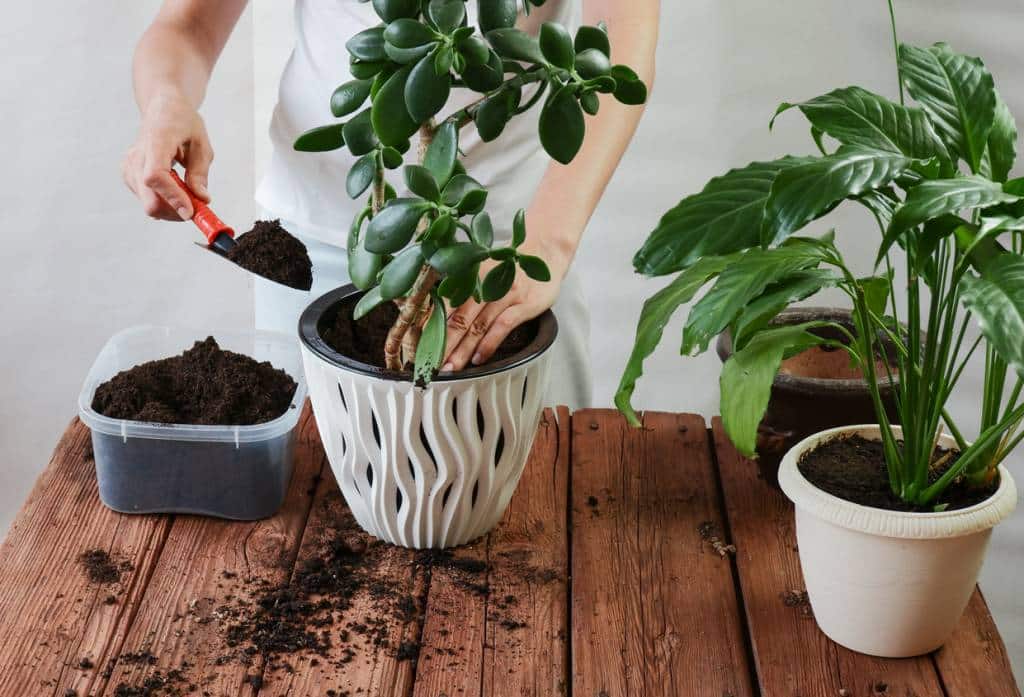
{"x": 82, "y": 262}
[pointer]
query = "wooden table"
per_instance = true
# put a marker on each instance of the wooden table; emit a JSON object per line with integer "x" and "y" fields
{"x": 634, "y": 590}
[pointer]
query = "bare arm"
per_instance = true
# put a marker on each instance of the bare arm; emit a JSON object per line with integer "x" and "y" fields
{"x": 567, "y": 195}
{"x": 170, "y": 71}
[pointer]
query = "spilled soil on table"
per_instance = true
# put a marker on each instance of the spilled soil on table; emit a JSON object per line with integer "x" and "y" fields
{"x": 272, "y": 252}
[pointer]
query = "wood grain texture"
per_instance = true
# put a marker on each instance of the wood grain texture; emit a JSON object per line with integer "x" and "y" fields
{"x": 205, "y": 561}
{"x": 51, "y": 615}
{"x": 793, "y": 657}
{"x": 974, "y": 660}
{"x": 654, "y": 607}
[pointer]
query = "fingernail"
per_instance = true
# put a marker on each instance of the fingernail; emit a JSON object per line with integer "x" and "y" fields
{"x": 183, "y": 212}
{"x": 477, "y": 359}
{"x": 447, "y": 368}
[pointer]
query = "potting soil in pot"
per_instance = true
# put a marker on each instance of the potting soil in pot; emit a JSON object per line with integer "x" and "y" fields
{"x": 205, "y": 385}
{"x": 272, "y": 252}
{"x": 363, "y": 339}
{"x": 853, "y": 468}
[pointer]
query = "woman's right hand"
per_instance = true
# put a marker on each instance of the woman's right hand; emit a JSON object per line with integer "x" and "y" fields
{"x": 171, "y": 131}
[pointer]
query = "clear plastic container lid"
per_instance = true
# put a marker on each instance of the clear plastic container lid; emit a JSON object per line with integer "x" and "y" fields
{"x": 136, "y": 345}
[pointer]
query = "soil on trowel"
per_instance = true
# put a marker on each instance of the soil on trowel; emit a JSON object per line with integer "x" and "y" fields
{"x": 853, "y": 468}
{"x": 272, "y": 252}
{"x": 363, "y": 339}
{"x": 205, "y": 385}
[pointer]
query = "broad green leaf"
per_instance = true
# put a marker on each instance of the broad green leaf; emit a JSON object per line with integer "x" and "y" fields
{"x": 485, "y": 77}
{"x": 561, "y": 125}
{"x": 359, "y": 135}
{"x": 932, "y": 199}
{"x": 996, "y": 298}
{"x": 321, "y": 139}
{"x": 808, "y": 191}
{"x": 496, "y": 14}
{"x": 590, "y": 102}
{"x": 474, "y": 50}
{"x": 361, "y": 175}
{"x": 391, "y": 157}
{"x": 958, "y": 94}
{"x": 738, "y": 285}
{"x": 446, "y": 15}
{"x": 724, "y": 217}
{"x": 458, "y": 187}
{"x": 482, "y": 231}
{"x": 777, "y": 297}
{"x": 390, "y": 10}
{"x": 363, "y": 266}
{"x": 854, "y": 116}
{"x": 403, "y": 56}
{"x": 426, "y": 92}
{"x": 498, "y": 281}
{"x": 588, "y": 37}
{"x": 458, "y": 288}
{"x": 656, "y": 312}
{"x": 747, "y": 377}
{"x": 368, "y": 45}
{"x": 442, "y": 153}
{"x": 430, "y": 350}
{"x": 408, "y": 33}
{"x": 349, "y": 97}
{"x": 629, "y": 88}
{"x": 390, "y": 117}
{"x": 876, "y": 292}
{"x": 458, "y": 257}
{"x": 1002, "y": 142}
{"x": 491, "y": 116}
{"x": 392, "y": 228}
{"x": 535, "y": 268}
{"x": 400, "y": 273}
{"x": 519, "y": 227}
{"x": 365, "y": 70}
{"x": 421, "y": 182}
{"x": 556, "y": 45}
{"x": 515, "y": 44}
{"x": 370, "y": 300}
{"x": 592, "y": 63}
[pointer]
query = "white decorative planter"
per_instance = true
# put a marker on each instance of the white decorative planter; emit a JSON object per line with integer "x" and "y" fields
{"x": 425, "y": 467}
{"x": 888, "y": 583}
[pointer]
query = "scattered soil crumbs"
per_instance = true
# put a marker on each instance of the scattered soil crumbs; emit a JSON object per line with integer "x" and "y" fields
{"x": 853, "y": 468}
{"x": 272, "y": 252}
{"x": 204, "y": 385}
{"x": 797, "y": 599}
{"x": 102, "y": 568}
{"x": 708, "y": 531}
{"x": 363, "y": 339}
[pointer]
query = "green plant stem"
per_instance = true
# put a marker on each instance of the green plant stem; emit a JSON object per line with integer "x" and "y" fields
{"x": 464, "y": 115}
{"x": 896, "y": 49}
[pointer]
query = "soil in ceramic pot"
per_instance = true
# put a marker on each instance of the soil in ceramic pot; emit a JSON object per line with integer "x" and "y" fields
{"x": 853, "y": 468}
{"x": 363, "y": 339}
{"x": 205, "y": 385}
{"x": 272, "y": 252}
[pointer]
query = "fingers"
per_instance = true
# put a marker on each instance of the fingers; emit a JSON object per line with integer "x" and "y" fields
{"x": 197, "y": 160}
{"x": 468, "y": 348}
{"x": 156, "y": 177}
{"x": 154, "y": 206}
{"x": 499, "y": 330}
{"x": 460, "y": 323}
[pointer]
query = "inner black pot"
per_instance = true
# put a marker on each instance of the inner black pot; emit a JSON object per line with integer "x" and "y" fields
{"x": 323, "y": 312}
{"x": 815, "y": 391}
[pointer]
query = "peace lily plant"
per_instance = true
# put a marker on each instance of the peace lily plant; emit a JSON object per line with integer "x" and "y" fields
{"x": 935, "y": 176}
{"x": 433, "y": 461}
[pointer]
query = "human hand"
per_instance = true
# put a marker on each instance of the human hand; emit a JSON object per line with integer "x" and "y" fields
{"x": 171, "y": 131}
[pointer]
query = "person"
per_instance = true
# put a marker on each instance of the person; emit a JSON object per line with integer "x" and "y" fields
{"x": 306, "y": 191}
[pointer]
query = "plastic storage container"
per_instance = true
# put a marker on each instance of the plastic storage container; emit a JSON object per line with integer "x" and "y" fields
{"x": 237, "y": 472}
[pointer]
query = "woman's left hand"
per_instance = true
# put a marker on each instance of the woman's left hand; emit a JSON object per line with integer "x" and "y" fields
{"x": 476, "y": 330}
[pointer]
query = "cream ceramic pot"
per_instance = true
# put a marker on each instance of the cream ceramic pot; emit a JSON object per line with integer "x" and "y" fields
{"x": 887, "y": 583}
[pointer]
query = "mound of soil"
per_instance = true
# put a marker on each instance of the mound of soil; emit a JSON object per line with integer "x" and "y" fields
{"x": 272, "y": 252}
{"x": 853, "y": 468}
{"x": 205, "y": 385}
{"x": 363, "y": 339}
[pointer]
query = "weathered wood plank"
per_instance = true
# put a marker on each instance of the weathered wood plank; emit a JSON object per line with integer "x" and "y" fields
{"x": 204, "y": 565}
{"x": 52, "y": 615}
{"x": 654, "y": 607}
{"x": 974, "y": 660}
{"x": 793, "y": 657}
{"x": 505, "y": 632}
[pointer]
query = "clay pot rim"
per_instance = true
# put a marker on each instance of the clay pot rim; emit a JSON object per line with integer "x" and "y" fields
{"x": 309, "y": 336}
{"x": 809, "y": 385}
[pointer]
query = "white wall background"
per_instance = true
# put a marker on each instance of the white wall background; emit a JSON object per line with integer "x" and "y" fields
{"x": 81, "y": 261}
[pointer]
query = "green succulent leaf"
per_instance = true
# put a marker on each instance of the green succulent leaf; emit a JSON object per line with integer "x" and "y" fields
{"x": 503, "y": 253}
{"x": 408, "y": 33}
{"x": 426, "y": 92}
{"x": 458, "y": 288}
{"x": 444, "y": 60}
{"x": 474, "y": 50}
{"x": 723, "y": 218}
{"x": 556, "y": 45}
{"x": 447, "y": 15}
{"x": 458, "y": 257}
{"x": 349, "y": 97}
{"x": 515, "y": 44}
{"x": 996, "y": 298}
{"x": 400, "y": 273}
{"x": 808, "y": 191}
{"x": 519, "y": 227}
{"x": 588, "y": 37}
{"x": 485, "y": 77}
{"x": 854, "y": 116}
{"x": 656, "y": 312}
{"x": 360, "y": 176}
{"x": 421, "y": 182}
{"x": 535, "y": 268}
{"x": 371, "y": 299}
{"x": 368, "y": 45}
{"x": 404, "y": 56}
{"x": 461, "y": 191}
{"x": 498, "y": 281}
{"x": 592, "y": 63}
{"x": 746, "y": 380}
{"x": 391, "y": 157}
{"x": 442, "y": 153}
{"x": 389, "y": 115}
{"x": 321, "y": 139}
{"x": 390, "y": 10}
{"x": 561, "y": 125}
{"x": 590, "y": 102}
{"x": 491, "y": 116}
{"x": 430, "y": 350}
{"x": 629, "y": 88}
{"x": 392, "y": 228}
{"x": 365, "y": 70}
{"x": 359, "y": 135}
{"x": 496, "y": 14}
{"x": 958, "y": 94}
{"x": 482, "y": 231}
{"x": 363, "y": 266}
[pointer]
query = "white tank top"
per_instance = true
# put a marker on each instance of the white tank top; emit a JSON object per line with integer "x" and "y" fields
{"x": 308, "y": 189}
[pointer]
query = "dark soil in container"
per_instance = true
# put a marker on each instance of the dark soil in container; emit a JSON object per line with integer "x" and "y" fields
{"x": 272, "y": 252}
{"x": 853, "y": 468}
{"x": 205, "y": 385}
{"x": 363, "y": 339}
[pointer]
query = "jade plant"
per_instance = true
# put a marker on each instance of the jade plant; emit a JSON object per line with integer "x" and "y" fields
{"x": 935, "y": 176}
{"x": 425, "y": 251}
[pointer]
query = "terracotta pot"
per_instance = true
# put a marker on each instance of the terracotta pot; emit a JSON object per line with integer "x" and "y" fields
{"x": 424, "y": 467}
{"x": 888, "y": 583}
{"x": 817, "y": 390}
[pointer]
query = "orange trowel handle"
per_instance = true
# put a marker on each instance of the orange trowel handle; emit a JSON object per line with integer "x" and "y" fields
{"x": 202, "y": 215}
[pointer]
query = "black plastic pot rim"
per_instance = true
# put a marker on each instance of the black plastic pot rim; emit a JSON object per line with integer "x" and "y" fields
{"x": 309, "y": 335}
